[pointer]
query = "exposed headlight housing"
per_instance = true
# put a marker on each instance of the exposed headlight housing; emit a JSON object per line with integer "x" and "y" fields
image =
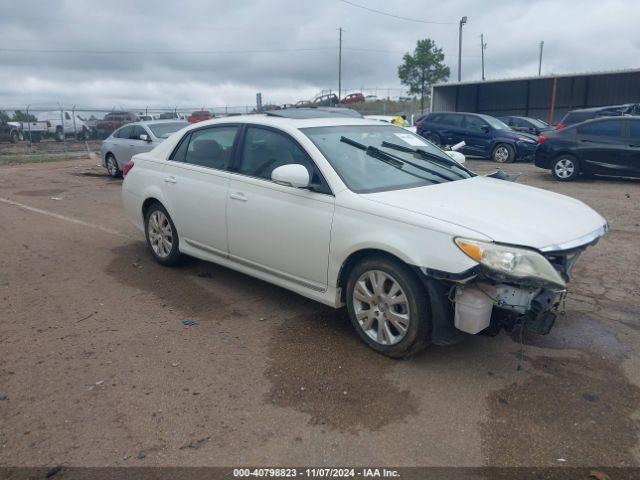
{"x": 512, "y": 263}
{"x": 526, "y": 139}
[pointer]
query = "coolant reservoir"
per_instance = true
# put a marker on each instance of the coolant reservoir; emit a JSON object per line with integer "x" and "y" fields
{"x": 474, "y": 304}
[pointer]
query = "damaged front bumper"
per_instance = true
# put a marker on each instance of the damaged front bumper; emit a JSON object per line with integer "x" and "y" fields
{"x": 483, "y": 301}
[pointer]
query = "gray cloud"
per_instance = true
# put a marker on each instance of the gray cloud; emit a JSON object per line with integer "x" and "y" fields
{"x": 579, "y": 36}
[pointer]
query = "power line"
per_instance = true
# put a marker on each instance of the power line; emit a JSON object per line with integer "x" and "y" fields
{"x": 159, "y": 52}
{"x": 395, "y": 16}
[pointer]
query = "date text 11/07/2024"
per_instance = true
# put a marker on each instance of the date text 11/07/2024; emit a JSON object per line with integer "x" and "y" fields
{"x": 315, "y": 472}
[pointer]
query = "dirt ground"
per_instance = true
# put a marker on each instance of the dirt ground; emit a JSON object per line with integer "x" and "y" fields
{"x": 48, "y": 146}
{"x": 96, "y": 368}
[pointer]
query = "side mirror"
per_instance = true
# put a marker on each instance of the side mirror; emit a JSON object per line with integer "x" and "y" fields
{"x": 292, "y": 175}
{"x": 145, "y": 137}
{"x": 485, "y": 128}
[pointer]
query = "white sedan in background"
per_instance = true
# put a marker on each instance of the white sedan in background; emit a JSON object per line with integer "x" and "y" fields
{"x": 353, "y": 212}
{"x": 118, "y": 148}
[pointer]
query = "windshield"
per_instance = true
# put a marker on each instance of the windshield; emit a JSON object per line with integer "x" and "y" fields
{"x": 538, "y": 123}
{"x": 364, "y": 172}
{"x": 495, "y": 123}
{"x": 163, "y": 130}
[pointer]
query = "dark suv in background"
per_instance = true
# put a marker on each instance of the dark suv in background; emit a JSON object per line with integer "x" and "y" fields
{"x": 604, "y": 146}
{"x": 485, "y": 136}
{"x": 581, "y": 115}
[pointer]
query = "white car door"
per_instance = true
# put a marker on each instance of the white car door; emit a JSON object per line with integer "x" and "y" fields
{"x": 282, "y": 230}
{"x": 196, "y": 187}
{"x": 119, "y": 145}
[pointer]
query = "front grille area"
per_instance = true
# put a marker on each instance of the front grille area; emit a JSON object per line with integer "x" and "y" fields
{"x": 563, "y": 261}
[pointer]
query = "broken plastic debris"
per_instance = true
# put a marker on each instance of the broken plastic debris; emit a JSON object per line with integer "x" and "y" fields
{"x": 188, "y": 323}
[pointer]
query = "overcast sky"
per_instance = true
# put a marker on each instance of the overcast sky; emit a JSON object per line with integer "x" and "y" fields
{"x": 288, "y": 48}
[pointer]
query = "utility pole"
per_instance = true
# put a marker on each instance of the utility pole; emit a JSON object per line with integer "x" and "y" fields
{"x": 483, "y": 46}
{"x": 463, "y": 20}
{"x": 540, "y": 59}
{"x": 340, "y": 66}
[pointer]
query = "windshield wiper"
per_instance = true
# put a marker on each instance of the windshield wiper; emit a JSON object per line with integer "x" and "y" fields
{"x": 428, "y": 156}
{"x": 385, "y": 157}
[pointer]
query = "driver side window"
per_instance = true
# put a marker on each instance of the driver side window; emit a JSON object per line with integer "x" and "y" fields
{"x": 473, "y": 123}
{"x": 266, "y": 150}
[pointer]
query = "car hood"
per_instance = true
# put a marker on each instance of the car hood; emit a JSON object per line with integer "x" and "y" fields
{"x": 503, "y": 211}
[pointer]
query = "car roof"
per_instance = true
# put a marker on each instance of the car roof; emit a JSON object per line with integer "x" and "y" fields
{"x": 157, "y": 122}
{"x": 278, "y": 121}
{"x": 314, "y": 112}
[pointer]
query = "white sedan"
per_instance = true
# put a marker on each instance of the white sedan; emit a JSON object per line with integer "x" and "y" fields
{"x": 353, "y": 212}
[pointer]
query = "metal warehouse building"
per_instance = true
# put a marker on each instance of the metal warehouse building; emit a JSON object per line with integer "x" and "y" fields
{"x": 548, "y": 97}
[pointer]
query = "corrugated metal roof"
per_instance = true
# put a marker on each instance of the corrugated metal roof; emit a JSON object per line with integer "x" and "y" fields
{"x": 536, "y": 77}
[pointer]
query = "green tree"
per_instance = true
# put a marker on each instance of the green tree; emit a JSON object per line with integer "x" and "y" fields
{"x": 4, "y": 117}
{"x": 422, "y": 69}
{"x": 18, "y": 116}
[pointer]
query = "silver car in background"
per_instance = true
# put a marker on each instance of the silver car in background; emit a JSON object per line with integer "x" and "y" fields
{"x": 133, "y": 138}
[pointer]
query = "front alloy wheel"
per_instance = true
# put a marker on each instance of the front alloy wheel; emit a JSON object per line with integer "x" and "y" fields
{"x": 381, "y": 307}
{"x": 388, "y": 306}
{"x": 504, "y": 153}
{"x": 112, "y": 167}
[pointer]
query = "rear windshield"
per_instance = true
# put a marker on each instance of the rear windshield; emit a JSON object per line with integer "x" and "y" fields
{"x": 575, "y": 117}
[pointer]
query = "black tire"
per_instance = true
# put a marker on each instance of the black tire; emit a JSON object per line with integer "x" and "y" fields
{"x": 82, "y": 135}
{"x": 565, "y": 168}
{"x": 59, "y": 135}
{"x": 36, "y": 137}
{"x": 417, "y": 333}
{"x": 174, "y": 256}
{"x": 433, "y": 138}
{"x": 503, "y": 153}
{"x": 14, "y": 137}
{"x": 112, "y": 166}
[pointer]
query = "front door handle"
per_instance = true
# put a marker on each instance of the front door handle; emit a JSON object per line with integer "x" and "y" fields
{"x": 238, "y": 196}
{"x": 170, "y": 180}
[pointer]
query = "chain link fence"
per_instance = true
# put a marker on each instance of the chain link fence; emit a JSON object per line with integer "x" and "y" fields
{"x": 79, "y": 130}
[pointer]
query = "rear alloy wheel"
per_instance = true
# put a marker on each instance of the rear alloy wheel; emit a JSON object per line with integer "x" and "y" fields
{"x": 59, "y": 135}
{"x": 162, "y": 237}
{"x": 112, "y": 166}
{"x": 388, "y": 306}
{"x": 565, "y": 168}
{"x": 14, "y": 137}
{"x": 503, "y": 153}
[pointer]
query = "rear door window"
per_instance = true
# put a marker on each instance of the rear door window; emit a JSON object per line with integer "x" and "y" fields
{"x": 452, "y": 120}
{"x": 606, "y": 128}
{"x": 473, "y": 123}
{"x": 211, "y": 147}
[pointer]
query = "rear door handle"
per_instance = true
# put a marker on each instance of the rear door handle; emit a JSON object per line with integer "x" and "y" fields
{"x": 170, "y": 180}
{"x": 238, "y": 196}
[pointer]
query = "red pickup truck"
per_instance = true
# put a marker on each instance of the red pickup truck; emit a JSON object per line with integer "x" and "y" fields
{"x": 113, "y": 121}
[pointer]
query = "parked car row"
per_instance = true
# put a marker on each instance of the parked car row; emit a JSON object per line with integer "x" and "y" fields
{"x": 593, "y": 141}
